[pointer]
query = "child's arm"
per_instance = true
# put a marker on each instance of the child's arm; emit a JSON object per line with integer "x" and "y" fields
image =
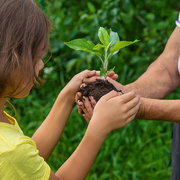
{"x": 49, "y": 133}
{"x": 107, "y": 117}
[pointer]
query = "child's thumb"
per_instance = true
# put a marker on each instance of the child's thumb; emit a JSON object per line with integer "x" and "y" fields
{"x": 110, "y": 95}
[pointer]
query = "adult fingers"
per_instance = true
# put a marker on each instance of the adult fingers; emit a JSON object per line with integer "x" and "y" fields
{"x": 92, "y": 100}
{"x": 116, "y": 84}
{"x": 86, "y": 118}
{"x": 82, "y": 110}
{"x": 87, "y": 108}
{"x": 78, "y": 95}
{"x": 80, "y": 107}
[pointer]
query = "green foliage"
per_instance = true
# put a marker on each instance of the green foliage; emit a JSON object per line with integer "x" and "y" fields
{"x": 141, "y": 149}
{"x": 110, "y": 45}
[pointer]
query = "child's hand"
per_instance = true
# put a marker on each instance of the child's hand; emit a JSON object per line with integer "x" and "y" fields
{"x": 114, "y": 111}
{"x": 77, "y": 80}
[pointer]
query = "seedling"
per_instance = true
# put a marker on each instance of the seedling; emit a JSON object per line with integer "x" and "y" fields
{"x": 110, "y": 46}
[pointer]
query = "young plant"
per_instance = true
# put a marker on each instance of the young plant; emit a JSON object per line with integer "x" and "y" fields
{"x": 111, "y": 44}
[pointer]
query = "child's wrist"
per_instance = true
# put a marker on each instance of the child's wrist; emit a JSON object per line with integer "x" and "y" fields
{"x": 98, "y": 129}
{"x": 96, "y": 133}
{"x": 65, "y": 93}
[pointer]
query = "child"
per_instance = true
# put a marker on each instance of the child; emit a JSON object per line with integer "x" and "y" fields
{"x": 23, "y": 41}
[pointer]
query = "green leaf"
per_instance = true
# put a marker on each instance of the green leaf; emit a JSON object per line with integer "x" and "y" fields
{"x": 103, "y": 36}
{"x": 98, "y": 47}
{"x": 114, "y": 39}
{"x": 102, "y": 72}
{"x": 111, "y": 69}
{"x": 91, "y": 7}
{"x": 122, "y": 44}
{"x": 82, "y": 44}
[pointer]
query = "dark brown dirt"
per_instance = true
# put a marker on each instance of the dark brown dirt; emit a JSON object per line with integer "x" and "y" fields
{"x": 97, "y": 89}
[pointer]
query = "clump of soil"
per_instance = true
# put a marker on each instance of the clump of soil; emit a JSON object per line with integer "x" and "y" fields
{"x": 97, "y": 89}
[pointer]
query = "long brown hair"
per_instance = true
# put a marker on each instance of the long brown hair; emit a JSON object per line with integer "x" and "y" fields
{"x": 23, "y": 30}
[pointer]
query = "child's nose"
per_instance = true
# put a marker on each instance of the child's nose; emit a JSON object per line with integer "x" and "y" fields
{"x": 41, "y": 65}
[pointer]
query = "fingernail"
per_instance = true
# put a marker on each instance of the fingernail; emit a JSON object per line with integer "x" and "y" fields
{"x": 93, "y": 71}
{"x": 120, "y": 93}
{"x": 140, "y": 103}
{"x": 83, "y": 115}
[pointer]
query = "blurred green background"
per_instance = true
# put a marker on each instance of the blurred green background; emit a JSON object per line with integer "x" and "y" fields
{"x": 141, "y": 149}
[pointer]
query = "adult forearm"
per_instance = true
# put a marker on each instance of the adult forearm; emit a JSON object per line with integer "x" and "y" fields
{"x": 49, "y": 133}
{"x": 154, "y": 83}
{"x": 162, "y": 110}
{"x": 162, "y": 76}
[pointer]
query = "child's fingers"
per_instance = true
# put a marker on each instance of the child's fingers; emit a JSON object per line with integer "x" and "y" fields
{"x": 109, "y": 96}
{"x": 112, "y": 75}
{"x": 87, "y": 73}
{"x": 130, "y": 119}
{"x": 134, "y": 110}
{"x": 128, "y": 96}
{"x": 91, "y": 79}
{"x": 133, "y": 102}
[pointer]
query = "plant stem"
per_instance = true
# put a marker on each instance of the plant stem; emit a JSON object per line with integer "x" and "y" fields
{"x": 105, "y": 64}
{"x": 101, "y": 59}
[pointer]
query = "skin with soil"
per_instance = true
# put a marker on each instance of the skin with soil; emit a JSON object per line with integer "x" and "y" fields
{"x": 97, "y": 89}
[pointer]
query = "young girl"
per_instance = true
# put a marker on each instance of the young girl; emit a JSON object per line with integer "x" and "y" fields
{"x": 23, "y": 41}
